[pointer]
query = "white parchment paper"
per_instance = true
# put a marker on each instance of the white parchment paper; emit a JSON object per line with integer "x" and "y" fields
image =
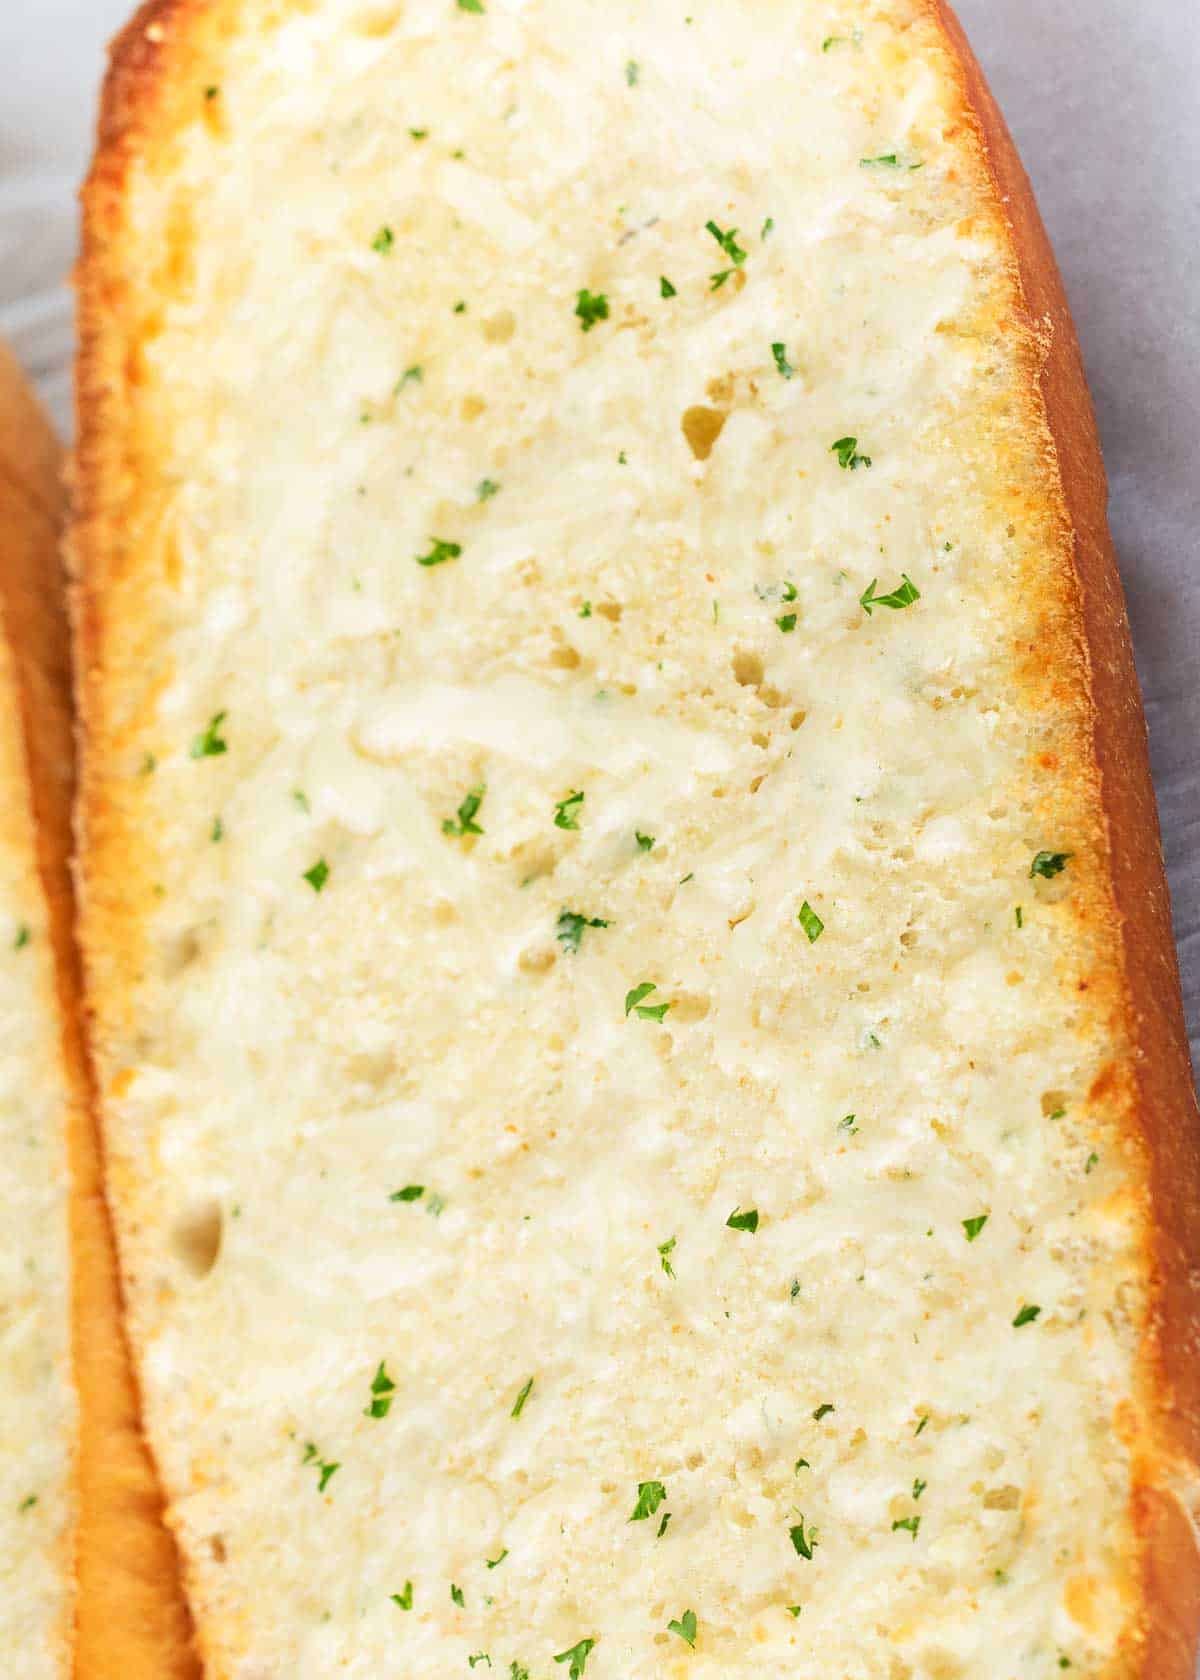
{"x": 1103, "y": 97}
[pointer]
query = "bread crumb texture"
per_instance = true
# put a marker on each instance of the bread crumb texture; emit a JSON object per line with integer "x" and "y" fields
{"x": 607, "y": 992}
{"x": 37, "y": 1411}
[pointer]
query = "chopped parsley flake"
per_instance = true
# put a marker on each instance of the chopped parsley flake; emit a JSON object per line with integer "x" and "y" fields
{"x": 823, "y": 1411}
{"x": 910, "y": 1524}
{"x": 662, "y": 1527}
{"x": 566, "y": 811}
{"x": 1093, "y": 1160}
{"x": 1019, "y": 916}
{"x": 325, "y": 1470}
{"x": 647, "y": 1011}
{"x": 526, "y": 1391}
{"x": 590, "y": 307}
{"x": 382, "y": 1390}
{"x": 973, "y": 1226}
{"x": 645, "y": 842}
{"x": 217, "y": 832}
{"x": 767, "y": 227}
{"x": 664, "y": 1252}
{"x": 410, "y": 1193}
{"x": 210, "y": 744}
{"x": 886, "y": 160}
{"x": 786, "y": 622}
{"x": 411, "y": 376}
{"x": 405, "y": 1599}
{"x": 317, "y": 875}
{"x": 471, "y": 6}
{"x": 779, "y": 351}
{"x": 479, "y": 1657}
{"x": 918, "y": 1487}
{"x": 739, "y": 1221}
{"x": 439, "y": 553}
{"x": 569, "y": 930}
{"x": 685, "y": 1627}
{"x": 585, "y": 610}
{"x": 728, "y": 243}
{"x": 464, "y": 820}
{"x": 383, "y": 241}
{"x": 665, "y": 288}
{"x": 1049, "y": 864}
{"x": 812, "y": 924}
{"x": 301, "y": 800}
{"x": 1027, "y": 1315}
{"x": 650, "y": 1496}
{"x": 831, "y": 41}
{"x": 419, "y": 133}
{"x": 800, "y": 1464}
{"x": 846, "y": 1124}
{"x": 632, "y": 71}
{"x": 716, "y": 281}
{"x": 27, "y": 1504}
{"x": 22, "y": 938}
{"x": 494, "y": 1563}
{"x": 486, "y": 489}
{"x": 846, "y": 450}
{"x": 921, "y": 1426}
{"x": 794, "y": 1609}
{"x": 456, "y": 1594}
{"x": 805, "y": 1542}
{"x": 577, "y": 1656}
{"x": 904, "y": 594}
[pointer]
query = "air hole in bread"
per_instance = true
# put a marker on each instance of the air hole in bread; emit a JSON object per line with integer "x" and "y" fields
{"x": 702, "y": 427}
{"x": 196, "y": 1239}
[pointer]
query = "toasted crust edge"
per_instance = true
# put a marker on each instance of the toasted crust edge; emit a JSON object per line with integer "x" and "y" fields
{"x": 1164, "y": 1103}
{"x": 1164, "y": 1629}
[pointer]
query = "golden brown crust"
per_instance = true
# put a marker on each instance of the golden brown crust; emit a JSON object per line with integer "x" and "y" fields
{"x": 160, "y": 52}
{"x": 129, "y": 1615}
{"x": 1163, "y": 1099}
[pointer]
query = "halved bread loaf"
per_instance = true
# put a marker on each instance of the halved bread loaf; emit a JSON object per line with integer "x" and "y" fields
{"x": 88, "y": 1573}
{"x": 641, "y": 1059}
{"x": 37, "y": 1086}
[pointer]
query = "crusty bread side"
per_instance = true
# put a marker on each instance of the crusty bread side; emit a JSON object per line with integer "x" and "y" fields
{"x": 38, "y": 1429}
{"x": 1157, "y": 1089}
{"x": 1131, "y": 1609}
{"x": 124, "y": 1610}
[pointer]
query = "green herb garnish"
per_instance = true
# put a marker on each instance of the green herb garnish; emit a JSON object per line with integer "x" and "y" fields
{"x": 739, "y": 1221}
{"x": 566, "y": 811}
{"x": 904, "y": 594}
{"x": 439, "y": 553}
{"x": 410, "y": 1193}
{"x": 382, "y": 1390}
{"x": 650, "y": 1496}
{"x": 210, "y": 743}
{"x": 464, "y": 821}
{"x": 577, "y": 1656}
{"x": 1049, "y": 864}
{"x": 590, "y": 307}
{"x": 846, "y": 450}
{"x": 779, "y": 351}
{"x": 570, "y": 926}
{"x": 973, "y": 1226}
{"x": 812, "y": 924}
{"x": 804, "y": 1542}
{"x": 685, "y": 1627}
{"x": 647, "y": 1011}
{"x": 526, "y": 1391}
{"x": 1026, "y": 1316}
{"x": 317, "y": 875}
{"x": 664, "y": 1250}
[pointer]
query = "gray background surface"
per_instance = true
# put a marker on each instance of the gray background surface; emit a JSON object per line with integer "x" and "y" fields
{"x": 1103, "y": 97}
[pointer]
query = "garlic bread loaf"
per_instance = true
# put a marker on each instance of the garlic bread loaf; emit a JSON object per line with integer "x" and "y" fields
{"x": 88, "y": 1572}
{"x": 640, "y": 1053}
{"x": 37, "y": 1091}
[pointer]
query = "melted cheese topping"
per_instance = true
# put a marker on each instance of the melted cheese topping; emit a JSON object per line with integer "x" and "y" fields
{"x": 36, "y": 1402}
{"x": 723, "y": 710}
